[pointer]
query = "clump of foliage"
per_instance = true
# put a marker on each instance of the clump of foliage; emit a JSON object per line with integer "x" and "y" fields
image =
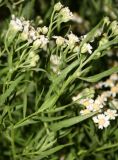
{"x": 58, "y": 85}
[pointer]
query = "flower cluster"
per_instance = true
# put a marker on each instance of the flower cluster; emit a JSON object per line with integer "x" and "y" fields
{"x": 100, "y": 104}
{"x": 103, "y": 119}
{"x": 29, "y": 33}
{"x": 111, "y": 84}
{"x": 86, "y": 48}
{"x": 70, "y": 41}
{"x": 90, "y": 105}
{"x": 64, "y": 13}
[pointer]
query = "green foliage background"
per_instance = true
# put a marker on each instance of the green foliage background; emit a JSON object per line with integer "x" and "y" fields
{"x": 39, "y": 136}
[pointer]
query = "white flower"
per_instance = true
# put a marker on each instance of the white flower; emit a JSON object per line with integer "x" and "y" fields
{"x": 37, "y": 43}
{"x": 44, "y": 29}
{"x": 65, "y": 14}
{"x": 44, "y": 41}
{"x": 59, "y": 40}
{"x": 108, "y": 83}
{"x": 114, "y": 77}
{"x": 55, "y": 60}
{"x": 101, "y": 120}
{"x": 58, "y": 6}
{"x": 97, "y": 105}
{"x": 101, "y": 99}
{"x": 98, "y": 33}
{"x": 26, "y": 25}
{"x": 24, "y": 36}
{"x": 83, "y": 37}
{"x": 111, "y": 114}
{"x": 114, "y": 90}
{"x": 86, "y": 48}
{"x": 25, "y": 33}
{"x": 16, "y": 24}
{"x": 88, "y": 103}
{"x": 72, "y": 39}
{"x": 32, "y": 35}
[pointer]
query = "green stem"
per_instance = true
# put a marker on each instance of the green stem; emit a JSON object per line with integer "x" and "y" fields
{"x": 51, "y": 24}
{"x": 12, "y": 143}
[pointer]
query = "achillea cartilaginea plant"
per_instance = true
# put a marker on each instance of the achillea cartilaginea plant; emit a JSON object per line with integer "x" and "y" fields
{"x": 46, "y": 91}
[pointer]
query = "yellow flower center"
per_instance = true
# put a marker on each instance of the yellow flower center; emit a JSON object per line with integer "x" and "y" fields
{"x": 114, "y": 89}
{"x": 101, "y": 121}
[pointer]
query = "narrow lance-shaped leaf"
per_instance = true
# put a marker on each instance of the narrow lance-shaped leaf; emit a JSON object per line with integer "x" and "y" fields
{"x": 69, "y": 122}
{"x": 99, "y": 76}
{"x": 11, "y": 88}
{"x": 50, "y": 151}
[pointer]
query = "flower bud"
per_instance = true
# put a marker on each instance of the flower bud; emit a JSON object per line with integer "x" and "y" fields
{"x": 106, "y": 20}
{"x": 37, "y": 44}
{"x": 24, "y": 36}
{"x": 72, "y": 39}
{"x": 86, "y": 48}
{"x": 44, "y": 30}
{"x": 60, "y": 41}
{"x": 103, "y": 41}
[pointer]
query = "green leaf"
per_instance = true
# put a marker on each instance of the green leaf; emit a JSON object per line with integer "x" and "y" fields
{"x": 51, "y": 151}
{"x": 69, "y": 122}
{"x": 61, "y": 77}
{"x": 11, "y": 88}
{"x": 99, "y": 76}
{"x": 28, "y": 9}
{"x": 26, "y": 122}
{"x": 107, "y": 146}
{"x": 50, "y": 119}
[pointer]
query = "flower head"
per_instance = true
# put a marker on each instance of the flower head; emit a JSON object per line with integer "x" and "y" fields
{"x": 72, "y": 39}
{"x": 86, "y": 48}
{"x": 114, "y": 77}
{"x": 65, "y": 14}
{"x": 114, "y": 90}
{"x": 111, "y": 114}
{"x": 16, "y": 24}
{"x": 88, "y": 103}
{"x": 59, "y": 40}
{"x": 44, "y": 41}
{"x": 44, "y": 30}
{"x": 55, "y": 60}
{"x": 97, "y": 105}
{"x": 58, "y": 6}
{"x": 109, "y": 83}
{"x": 102, "y": 121}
